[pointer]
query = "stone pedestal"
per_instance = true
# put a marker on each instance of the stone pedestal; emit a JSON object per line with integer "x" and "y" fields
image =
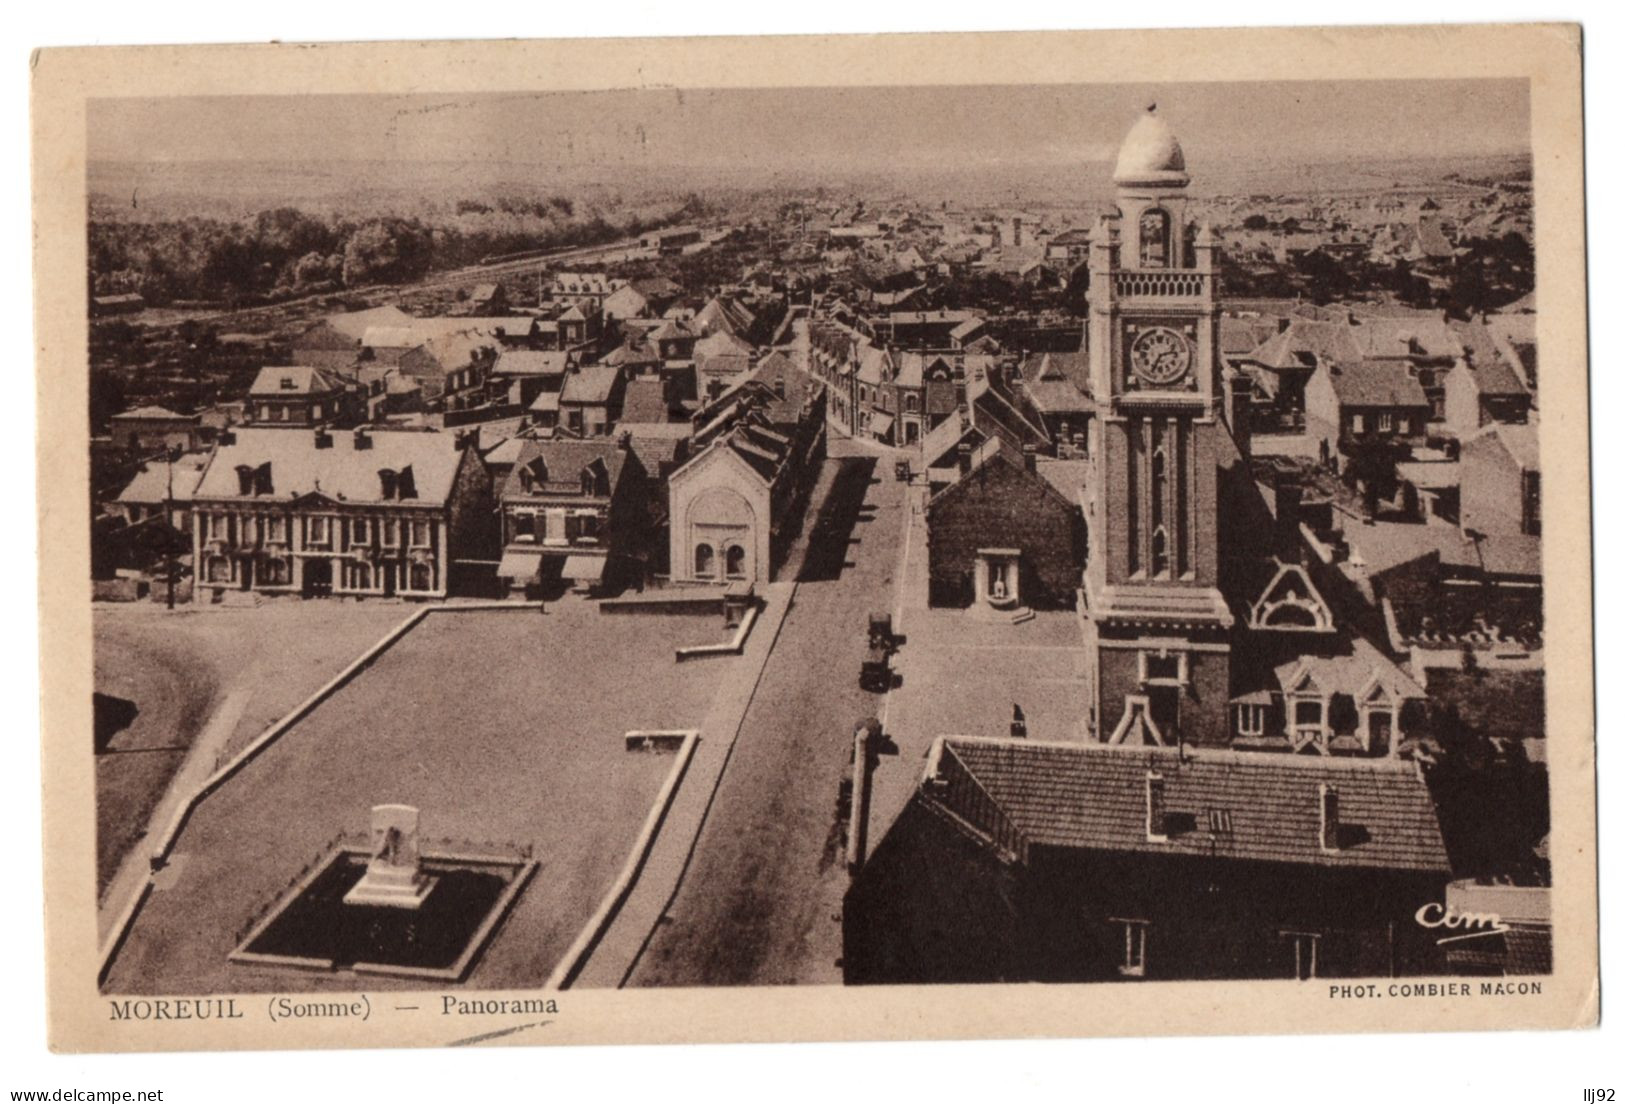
{"x": 394, "y": 876}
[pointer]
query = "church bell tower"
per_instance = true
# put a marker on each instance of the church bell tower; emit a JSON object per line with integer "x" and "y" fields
{"x": 1158, "y": 626}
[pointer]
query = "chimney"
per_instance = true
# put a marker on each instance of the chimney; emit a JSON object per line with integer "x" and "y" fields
{"x": 1156, "y": 812}
{"x": 1329, "y": 823}
{"x": 964, "y": 457}
{"x": 623, "y": 441}
{"x": 1288, "y": 515}
{"x": 1241, "y": 407}
{"x": 386, "y": 482}
{"x": 363, "y": 439}
{"x": 245, "y": 479}
{"x": 1281, "y": 324}
{"x": 324, "y": 439}
{"x": 1029, "y": 457}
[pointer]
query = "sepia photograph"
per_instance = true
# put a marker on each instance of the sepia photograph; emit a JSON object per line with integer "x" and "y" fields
{"x": 832, "y": 541}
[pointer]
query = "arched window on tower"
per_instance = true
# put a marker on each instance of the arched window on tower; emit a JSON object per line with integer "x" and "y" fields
{"x": 1154, "y": 233}
{"x": 1159, "y": 553}
{"x": 704, "y": 561}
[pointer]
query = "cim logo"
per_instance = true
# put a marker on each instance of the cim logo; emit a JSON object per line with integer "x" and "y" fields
{"x": 1468, "y": 925}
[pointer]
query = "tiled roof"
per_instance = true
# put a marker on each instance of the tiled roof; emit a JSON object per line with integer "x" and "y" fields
{"x": 592, "y": 384}
{"x": 1057, "y": 383}
{"x": 645, "y": 401}
{"x": 295, "y": 380}
{"x": 529, "y": 362}
{"x": 1521, "y": 441}
{"x": 563, "y": 459}
{"x": 1405, "y": 337}
{"x": 1376, "y": 383}
{"x": 1306, "y": 343}
{"x": 340, "y": 471}
{"x": 154, "y": 482}
{"x": 143, "y": 412}
{"x": 1092, "y": 796}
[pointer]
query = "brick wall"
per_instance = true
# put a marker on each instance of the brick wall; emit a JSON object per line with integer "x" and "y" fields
{"x": 1002, "y": 505}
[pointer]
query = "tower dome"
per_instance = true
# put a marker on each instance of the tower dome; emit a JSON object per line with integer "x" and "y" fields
{"x": 1150, "y": 155}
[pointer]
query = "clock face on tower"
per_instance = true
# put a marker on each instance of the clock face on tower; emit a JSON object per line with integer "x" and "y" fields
{"x": 1160, "y": 356}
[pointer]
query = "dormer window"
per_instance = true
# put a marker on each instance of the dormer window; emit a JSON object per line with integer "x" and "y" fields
{"x": 287, "y": 384}
{"x": 405, "y": 485}
{"x": 388, "y": 482}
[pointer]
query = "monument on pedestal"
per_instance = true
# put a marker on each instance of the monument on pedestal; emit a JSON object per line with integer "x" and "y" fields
{"x": 394, "y": 876}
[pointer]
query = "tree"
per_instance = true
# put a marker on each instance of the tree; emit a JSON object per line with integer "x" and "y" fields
{"x": 1371, "y": 467}
{"x": 1255, "y": 222}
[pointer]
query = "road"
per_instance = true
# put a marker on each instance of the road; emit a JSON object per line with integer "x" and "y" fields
{"x": 759, "y": 906}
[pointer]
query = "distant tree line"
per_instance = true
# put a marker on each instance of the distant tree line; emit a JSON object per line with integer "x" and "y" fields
{"x": 285, "y": 252}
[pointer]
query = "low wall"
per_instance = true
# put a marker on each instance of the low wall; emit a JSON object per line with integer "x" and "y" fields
{"x": 160, "y": 851}
{"x": 676, "y": 600}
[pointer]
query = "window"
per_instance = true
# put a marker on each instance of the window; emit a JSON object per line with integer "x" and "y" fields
{"x": 1134, "y": 933}
{"x": 1154, "y": 238}
{"x": 736, "y": 562}
{"x": 276, "y": 528}
{"x": 1531, "y": 503}
{"x": 265, "y": 412}
{"x": 219, "y": 570}
{"x": 358, "y": 531}
{"x": 587, "y": 527}
{"x": 217, "y": 527}
{"x": 1385, "y": 422}
{"x": 1250, "y": 720}
{"x": 1302, "y": 954}
{"x": 704, "y": 561}
{"x": 1357, "y": 423}
{"x": 524, "y": 527}
{"x": 317, "y": 530}
{"x": 392, "y": 533}
{"x": 1159, "y": 553}
{"x": 274, "y": 572}
{"x": 422, "y": 577}
{"x": 911, "y": 403}
{"x": 316, "y": 412}
{"x": 420, "y": 534}
{"x": 361, "y": 577}
{"x": 1168, "y": 670}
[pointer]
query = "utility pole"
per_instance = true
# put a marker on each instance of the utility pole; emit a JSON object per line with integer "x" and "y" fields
{"x": 169, "y": 510}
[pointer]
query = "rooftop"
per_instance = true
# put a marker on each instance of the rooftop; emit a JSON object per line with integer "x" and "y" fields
{"x": 340, "y": 471}
{"x": 1236, "y": 805}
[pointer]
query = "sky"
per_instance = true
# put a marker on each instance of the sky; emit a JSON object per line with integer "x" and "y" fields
{"x": 822, "y": 128}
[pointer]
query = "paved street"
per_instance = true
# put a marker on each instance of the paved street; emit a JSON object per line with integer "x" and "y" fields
{"x": 759, "y": 903}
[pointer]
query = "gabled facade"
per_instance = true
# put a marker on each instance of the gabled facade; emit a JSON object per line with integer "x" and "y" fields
{"x": 574, "y": 512}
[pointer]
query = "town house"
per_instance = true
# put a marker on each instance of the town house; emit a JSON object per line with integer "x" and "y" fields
{"x": 574, "y": 512}
{"x": 303, "y": 397}
{"x": 328, "y": 512}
